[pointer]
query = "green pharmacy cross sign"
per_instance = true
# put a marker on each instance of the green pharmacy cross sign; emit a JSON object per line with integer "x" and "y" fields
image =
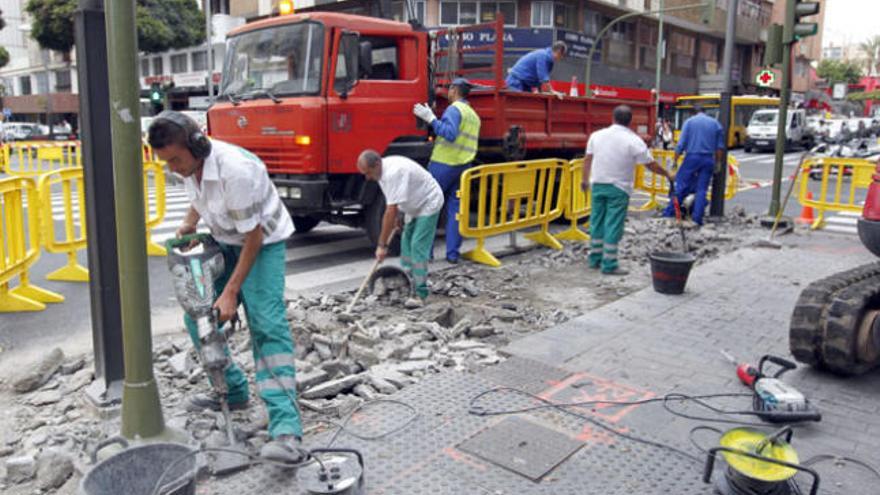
{"x": 765, "y": 78}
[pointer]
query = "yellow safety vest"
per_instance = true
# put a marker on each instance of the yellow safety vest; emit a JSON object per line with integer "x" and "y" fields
{"x": 463, "y": 150}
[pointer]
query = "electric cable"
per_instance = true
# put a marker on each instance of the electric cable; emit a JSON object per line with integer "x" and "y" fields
{"x": 701, "y": 428}
{"x": 816, "y": 459}
{"x": 344, "y": 425}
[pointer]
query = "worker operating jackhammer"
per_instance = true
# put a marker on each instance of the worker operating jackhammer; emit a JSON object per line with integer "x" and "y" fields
{"x": 229, "y": 189}
{"x": 411, "y": 190}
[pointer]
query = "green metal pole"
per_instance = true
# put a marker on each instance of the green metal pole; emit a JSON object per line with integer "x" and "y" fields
{"x": 608, "y": 26}
{"x": 784, "y": 97}
{"x": 141, "y": 409}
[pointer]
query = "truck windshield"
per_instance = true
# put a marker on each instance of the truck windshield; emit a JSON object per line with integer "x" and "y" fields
{"x": 281, "y": 60}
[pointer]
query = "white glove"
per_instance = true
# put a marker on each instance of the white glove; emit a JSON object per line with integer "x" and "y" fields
{"x": 424, "y": 112}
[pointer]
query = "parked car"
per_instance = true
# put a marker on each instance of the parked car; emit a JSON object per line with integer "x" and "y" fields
{"x": 762, "y": 128}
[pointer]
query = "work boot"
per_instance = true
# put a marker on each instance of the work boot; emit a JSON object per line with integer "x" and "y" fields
{"x": 284, "y": 448}
{"x": 616, "y": 271}
{"x": 414, "y": 303}
{"x": 201, "y": 401}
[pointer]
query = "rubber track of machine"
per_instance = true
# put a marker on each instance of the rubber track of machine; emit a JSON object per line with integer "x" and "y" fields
{"x": 807, "y": 327}
{"x": 842, "y": 325}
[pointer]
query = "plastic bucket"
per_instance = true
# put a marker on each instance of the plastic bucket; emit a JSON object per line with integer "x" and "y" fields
{"x": 136, "y": 471}
{"x": 669, "y": 271}
{"x": 393, "y": 279}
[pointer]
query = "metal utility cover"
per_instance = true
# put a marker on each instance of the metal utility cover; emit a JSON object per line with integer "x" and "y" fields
{"x": 522, "y": 446}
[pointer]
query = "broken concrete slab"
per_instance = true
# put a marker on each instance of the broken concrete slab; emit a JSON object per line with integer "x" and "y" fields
{"x": 45, "y": 398}
{"x": 308, "y": 379}
{"x": 20, "y": 469}
{"x": 31, "y": 380}
{"x": 333, "y": 387}
{"x": 54, "y": 467}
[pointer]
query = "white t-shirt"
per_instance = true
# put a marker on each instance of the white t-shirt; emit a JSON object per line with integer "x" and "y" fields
{"x": 616, "y": 150}
{"x": 408, "y": 185}
{"x": 236, "y": 195}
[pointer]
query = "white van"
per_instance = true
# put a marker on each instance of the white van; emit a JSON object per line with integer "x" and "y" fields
{"x": 761, "y": 131}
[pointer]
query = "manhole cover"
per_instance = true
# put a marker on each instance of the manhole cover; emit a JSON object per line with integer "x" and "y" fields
{"x": 522, "y": 446}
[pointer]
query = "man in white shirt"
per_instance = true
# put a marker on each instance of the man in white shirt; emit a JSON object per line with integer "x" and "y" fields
{"x": 230, "y": 191}
{"x": 609, "y": 166}
{"x": 411, "y": 190}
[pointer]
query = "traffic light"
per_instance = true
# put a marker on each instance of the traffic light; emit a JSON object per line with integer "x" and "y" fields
{"x": 773, "y": 47}
{"x": 798, "y": 10}
{"x": 708, "y": 16}
{"x": 156, "y": 94}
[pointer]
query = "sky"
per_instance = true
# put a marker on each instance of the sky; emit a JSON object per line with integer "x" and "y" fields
{"x": 850, "y": 21}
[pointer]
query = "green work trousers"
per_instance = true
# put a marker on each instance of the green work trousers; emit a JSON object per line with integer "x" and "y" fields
{"x": 262, "y": 295}
{"x": 416, "y": 244}
{"x": 608, "y": 207}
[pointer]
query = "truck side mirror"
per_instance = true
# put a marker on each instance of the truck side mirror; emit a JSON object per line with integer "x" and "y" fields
{"x": 347, "y": 75}
{"x": 365, "y": 59}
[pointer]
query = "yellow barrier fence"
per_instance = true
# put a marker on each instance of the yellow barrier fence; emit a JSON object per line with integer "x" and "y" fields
{"x": 577, "y": 204}
{"x": 511, "y": 196}
{"x": 841, "y": 182}
{"x": 32, "y": 158}
{"x": 20, "y": 247}
{"x": 4, "y": 157}
{"x": 72, "y": 199}
{"x": 657, "y": 187}
{"x": 155, "y": 207}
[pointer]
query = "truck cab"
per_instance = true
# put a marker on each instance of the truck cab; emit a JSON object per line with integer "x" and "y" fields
{"x": 307, "y": 93}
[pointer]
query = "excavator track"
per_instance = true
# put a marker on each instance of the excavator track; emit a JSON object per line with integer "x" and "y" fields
{"x": 808, "y": 321}
{"x": 840, "y": 345}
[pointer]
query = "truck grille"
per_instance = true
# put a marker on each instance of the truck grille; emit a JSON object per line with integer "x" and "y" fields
{"x": 283, "y": 160}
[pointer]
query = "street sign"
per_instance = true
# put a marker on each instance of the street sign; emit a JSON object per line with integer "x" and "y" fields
{"x": 839, "y": 91}
{"x": 765, "y": 78}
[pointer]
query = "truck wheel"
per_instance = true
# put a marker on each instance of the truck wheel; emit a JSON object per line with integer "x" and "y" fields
{"x": 844, "y": 327}
{"x": 808, "y": 321}
{"x": 304, "y": 224}
{"x": 373, "y": 224}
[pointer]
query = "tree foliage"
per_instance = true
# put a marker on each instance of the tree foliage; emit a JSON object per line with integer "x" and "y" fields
{"x": 161, "y": 24}
{"x": 871, "y": 48}
{"x": 839, "y": 71}
{"x": 4, "y": 57}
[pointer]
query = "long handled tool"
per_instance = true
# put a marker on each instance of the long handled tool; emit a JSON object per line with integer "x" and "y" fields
{"x": 363, "y": 286}
{"x": 677, "y": 206}
{"x": 769, "y": 242}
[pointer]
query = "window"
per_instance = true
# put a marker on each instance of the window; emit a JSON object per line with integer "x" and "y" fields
{"x": 42, "y": 82}
{"x": 219, "y": 6}
{"x": 178, "y": 63}
{"x": 620, "y": 44}
{"x": 62, "y": 81}
{"x": 460, "y": 13}
{"x": 593, "y": 23}
{"x": 145, "y": 67}
{"x": 402, "y": 14}
{"x": 564, "y": 16}
{"x": 199, "y": 61}
{"x": 683, "y": 51}
{"x": 542, "y": 14}
{"x": 385, "y": 63}
{"x": 158, "y": 70}
{"x": 648, "y": 47}
{"x": 25, "y": 83}
{"x": 708, "y": 57}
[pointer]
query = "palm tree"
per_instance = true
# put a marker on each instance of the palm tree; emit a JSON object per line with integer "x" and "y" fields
{"x": 871, "y": 49}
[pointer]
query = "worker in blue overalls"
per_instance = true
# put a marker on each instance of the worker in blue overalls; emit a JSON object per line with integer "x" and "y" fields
{"x": 533, "y": 70}
{"x": 702, "y": 143}
{"x": 458, "y": 133}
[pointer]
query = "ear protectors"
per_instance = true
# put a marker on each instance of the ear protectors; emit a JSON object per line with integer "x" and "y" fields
{"x": 197, "y": 143}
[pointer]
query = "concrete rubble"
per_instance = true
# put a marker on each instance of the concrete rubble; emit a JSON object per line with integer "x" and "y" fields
{"x": 344, "y": 359}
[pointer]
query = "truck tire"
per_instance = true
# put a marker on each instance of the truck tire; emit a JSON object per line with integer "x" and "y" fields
{"x": 808, "y": 320}
{"x": 373, "y": 224}
{"x": 842, "y": 327}
{"x": 302, "y": 225}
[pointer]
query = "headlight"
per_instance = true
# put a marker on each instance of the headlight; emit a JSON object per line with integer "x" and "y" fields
{"x": 294, "y": 193}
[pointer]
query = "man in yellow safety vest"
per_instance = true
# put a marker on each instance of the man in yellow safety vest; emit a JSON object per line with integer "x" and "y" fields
{"x": 458, "y": 133}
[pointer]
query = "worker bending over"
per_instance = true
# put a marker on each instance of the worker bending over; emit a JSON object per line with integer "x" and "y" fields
{"x": 609, "y": 165}
{"x": 458, "y": 133}
{"x": 229, "y": 189}
{"x": 533, "y": 70}
{"x": 702, "y": 142}
{"x": 408, "y": 189}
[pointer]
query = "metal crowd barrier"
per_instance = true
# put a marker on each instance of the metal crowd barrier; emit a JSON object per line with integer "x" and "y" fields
{"x": 73, "y": 214}
{"x": 155, "y": 206}
{"x": 4, "y": 158}
{"x": 657, "y": 186}
{"x": 577, "y": 204}
{"x": 33, "y": 158}
{"x": 20, "y": 247}
{"x": 842, "y": 182}
{"x": 511, "y": 197}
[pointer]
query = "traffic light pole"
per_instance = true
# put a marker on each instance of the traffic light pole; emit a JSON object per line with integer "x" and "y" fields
{"x": 784, "y": 98}
{"x": 719, "y": 179}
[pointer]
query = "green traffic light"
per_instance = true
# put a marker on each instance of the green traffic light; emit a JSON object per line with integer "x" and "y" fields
{"x": 156, "y": 96}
